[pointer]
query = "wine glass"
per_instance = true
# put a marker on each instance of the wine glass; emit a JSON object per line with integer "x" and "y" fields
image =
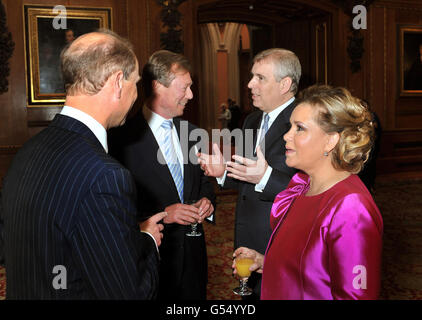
{"x": 193, "y": 232}
{"x": 242, "y": 267}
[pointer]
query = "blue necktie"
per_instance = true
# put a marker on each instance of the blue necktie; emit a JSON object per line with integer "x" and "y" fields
{"x": 264, "y": 128}
{"x": 171, "y": 158}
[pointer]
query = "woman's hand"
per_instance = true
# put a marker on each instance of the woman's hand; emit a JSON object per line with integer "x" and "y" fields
{"x": 249, "y": 253}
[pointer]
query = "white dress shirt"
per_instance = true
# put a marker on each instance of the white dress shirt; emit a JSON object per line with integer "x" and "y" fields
{"x": 154, "y": 121}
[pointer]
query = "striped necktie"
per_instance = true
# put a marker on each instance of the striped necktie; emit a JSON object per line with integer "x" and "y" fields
{"x": 264, "y": 128}
{"x": 171, "y": 158}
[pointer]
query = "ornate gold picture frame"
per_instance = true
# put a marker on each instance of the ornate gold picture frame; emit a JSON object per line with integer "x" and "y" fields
{"x": 47, "y": 31}
{"x": 410, "y": 65}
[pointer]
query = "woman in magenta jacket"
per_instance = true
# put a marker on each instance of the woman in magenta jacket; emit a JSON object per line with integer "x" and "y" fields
{"x": 327, "y": 231}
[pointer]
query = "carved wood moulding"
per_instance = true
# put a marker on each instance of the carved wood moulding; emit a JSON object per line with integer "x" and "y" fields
{"x": 171, "y": 17}
{"x": 355, "y": 47}
{"x": 6, "y": 50}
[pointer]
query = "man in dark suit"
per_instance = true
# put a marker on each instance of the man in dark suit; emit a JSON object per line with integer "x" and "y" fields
{"x": 169, "y": 180}
{"x": 69, "y": 212}
{"x": 275, "y": 78}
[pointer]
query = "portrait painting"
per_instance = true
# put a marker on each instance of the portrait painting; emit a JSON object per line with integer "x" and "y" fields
{"x": 46, "y": 35}
{"x": 410, "y": 41}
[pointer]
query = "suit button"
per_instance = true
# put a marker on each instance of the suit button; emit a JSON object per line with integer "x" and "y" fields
{"x": 243, "y": 197}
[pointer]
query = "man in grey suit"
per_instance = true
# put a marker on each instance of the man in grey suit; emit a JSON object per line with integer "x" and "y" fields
{"x": 260, "y": 175}
{"x": 70, "y": 227}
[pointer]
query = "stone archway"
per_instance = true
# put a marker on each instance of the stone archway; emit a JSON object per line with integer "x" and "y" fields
{"x": 292, "y": 24}
{"x": 210, "y": 44}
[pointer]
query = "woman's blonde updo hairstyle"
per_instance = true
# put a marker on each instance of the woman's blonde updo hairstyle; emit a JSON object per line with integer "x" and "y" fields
{"x": 338, "y": 111}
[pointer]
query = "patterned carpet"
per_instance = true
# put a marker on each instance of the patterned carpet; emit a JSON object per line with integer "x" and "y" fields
{"x": 219, "y": 239}
{"x": 2, "y": 283}
{"x": 400, "y": 203}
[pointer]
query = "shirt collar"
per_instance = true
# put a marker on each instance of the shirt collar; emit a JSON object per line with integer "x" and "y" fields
{"x": 154, "y": 119}
{"x": 274, "y": 114}
{"x": 97, "y": 129}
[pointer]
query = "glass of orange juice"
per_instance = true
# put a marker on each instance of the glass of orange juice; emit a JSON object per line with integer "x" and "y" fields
{"x": 242, "y": 268}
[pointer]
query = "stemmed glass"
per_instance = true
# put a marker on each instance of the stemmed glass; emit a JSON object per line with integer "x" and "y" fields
{"x": 242, "y": 268}
{"x": 193, "y": 232}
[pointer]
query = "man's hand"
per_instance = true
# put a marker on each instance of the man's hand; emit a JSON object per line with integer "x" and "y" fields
{"x": 248, "y": 170}
{"x": 205, "y": 208}
{"x": 182, "y": 214}
{"x": 213, "y": 165}
{"x": 153, "y": 227}
{"x": 249, "y": 253}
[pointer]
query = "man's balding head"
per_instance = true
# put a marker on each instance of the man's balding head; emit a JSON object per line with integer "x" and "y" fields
{"x": 92, "y": 58}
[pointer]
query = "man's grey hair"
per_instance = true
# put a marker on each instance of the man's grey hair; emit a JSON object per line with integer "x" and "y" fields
{"x": 286, "y": 64}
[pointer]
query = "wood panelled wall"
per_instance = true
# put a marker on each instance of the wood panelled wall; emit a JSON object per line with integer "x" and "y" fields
{"x": 401, "y": 117}
{"x": 17, "y": 122}
{"x": 139, "y": 20}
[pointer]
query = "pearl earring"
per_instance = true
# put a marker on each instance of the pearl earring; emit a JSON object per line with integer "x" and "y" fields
{"x": 326, "y": 153}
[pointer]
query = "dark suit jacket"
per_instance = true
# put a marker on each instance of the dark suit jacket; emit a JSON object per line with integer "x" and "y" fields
{"x": 68, "y": 203}
{"x": 252, "y": 222}
{"x": 253, "y": 208}
{"x": 183, "y": 271}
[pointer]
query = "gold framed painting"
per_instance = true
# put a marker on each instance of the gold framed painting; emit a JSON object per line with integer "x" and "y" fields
{"x": 410, "y": 65}
{"x": 48, "y": 30}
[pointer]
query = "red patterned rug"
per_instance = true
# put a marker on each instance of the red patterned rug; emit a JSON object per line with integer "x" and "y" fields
{"x": 219, "y": 239}
{"x": 2, "y": 283}
{"x": 400, "y": 203}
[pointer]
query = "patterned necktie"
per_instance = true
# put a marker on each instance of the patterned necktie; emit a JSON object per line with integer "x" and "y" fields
{"x": 171, "y": 158}
{"x": 264, "y": 128}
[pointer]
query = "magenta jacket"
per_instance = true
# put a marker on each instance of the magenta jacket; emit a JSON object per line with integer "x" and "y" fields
{"x": 326, "y": 246}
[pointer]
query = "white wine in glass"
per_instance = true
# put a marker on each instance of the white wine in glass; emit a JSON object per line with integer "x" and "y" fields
{"x": 193, "y": 232}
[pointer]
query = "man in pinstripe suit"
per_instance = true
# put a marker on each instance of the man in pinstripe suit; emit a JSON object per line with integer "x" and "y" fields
{"x": 69, "y": 208}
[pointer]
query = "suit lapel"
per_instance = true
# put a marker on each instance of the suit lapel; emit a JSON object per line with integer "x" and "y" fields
{"x": 150, "y": 145}
{"x": 78, "y": 127}
{"x": 254, "y": 125}
{"x": 279, "y": 126}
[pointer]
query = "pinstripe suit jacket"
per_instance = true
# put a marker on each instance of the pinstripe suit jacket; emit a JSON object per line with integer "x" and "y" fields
{"x": 68, "y": 203}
